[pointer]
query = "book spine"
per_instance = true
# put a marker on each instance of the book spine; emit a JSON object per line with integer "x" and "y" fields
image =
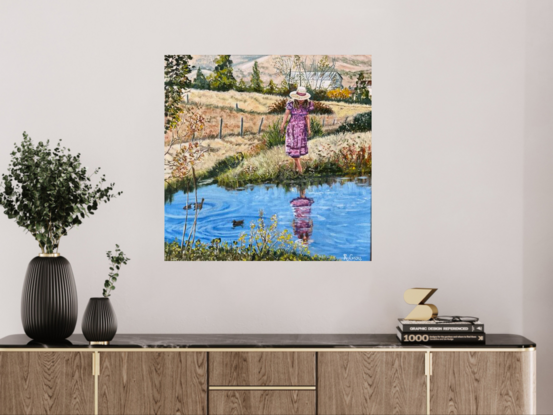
{"x": 441, "y": 338}
{"x": 459, "y": 328}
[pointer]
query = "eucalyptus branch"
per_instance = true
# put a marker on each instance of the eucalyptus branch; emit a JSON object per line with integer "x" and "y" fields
{"x": 117, "y": 260}
{"x": 45, "y": 182}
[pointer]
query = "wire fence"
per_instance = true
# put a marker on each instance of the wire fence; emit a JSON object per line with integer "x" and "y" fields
{"x": 234, "y": 126}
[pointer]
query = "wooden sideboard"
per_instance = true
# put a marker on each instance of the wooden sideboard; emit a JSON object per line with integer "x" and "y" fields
{"x": 367, "y": 376}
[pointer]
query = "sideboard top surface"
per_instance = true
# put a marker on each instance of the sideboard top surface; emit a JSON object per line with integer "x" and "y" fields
{"x": 239, "y": 341}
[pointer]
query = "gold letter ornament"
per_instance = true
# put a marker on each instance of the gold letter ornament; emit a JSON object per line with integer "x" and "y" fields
{"x": 418, "y": 297}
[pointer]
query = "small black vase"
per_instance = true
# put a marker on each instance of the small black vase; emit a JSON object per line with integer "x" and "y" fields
{"x": 99, "y": 321}
{"x": 49, "y": 306}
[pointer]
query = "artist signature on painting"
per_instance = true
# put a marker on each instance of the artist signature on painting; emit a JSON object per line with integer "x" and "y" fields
{"x": 351, "y": 258}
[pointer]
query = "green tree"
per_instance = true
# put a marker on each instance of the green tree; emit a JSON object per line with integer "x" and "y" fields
{"x": 222, "y": 78}
{"x": 271, "y": 88}
{"x": 176, "y": 82}
{"x": 241, "y": 87}
{"x": 361, "y": 90}
{"x": 200, "y": 82}
{"x": 256, "y": 85}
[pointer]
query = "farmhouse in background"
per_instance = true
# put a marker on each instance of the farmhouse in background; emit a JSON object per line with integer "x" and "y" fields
{"x": 317, "y": 80}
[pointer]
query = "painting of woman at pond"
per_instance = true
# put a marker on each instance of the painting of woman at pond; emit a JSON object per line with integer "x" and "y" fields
{"x": 268, "y": 158}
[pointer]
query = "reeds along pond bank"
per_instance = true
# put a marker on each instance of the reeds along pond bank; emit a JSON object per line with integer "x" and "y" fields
{"x": 342, "y": 154}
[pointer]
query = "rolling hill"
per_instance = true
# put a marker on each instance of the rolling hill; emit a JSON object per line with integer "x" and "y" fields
{"x": 347, "y": 65}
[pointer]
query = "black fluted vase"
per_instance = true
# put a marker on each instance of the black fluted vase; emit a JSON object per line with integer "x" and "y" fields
{"x": 49, "y": 306}
{"x": 99, "y": 321}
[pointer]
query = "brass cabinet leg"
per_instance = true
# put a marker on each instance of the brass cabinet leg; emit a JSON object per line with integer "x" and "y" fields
{"x": 96, "y": 372}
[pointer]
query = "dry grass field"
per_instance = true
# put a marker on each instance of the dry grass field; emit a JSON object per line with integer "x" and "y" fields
{"x": 215, "y": 105}
{"x": 252, "y": 106}
{"x": 247, "y": 101}
{"x": 260, "y": 103}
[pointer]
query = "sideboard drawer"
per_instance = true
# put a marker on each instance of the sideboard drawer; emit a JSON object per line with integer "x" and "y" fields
{"x": 262, "y": 368}
{"x": 262, "y": 402}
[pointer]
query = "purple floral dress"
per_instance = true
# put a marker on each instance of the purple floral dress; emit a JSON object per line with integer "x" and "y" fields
{"x": 296, "y": 132}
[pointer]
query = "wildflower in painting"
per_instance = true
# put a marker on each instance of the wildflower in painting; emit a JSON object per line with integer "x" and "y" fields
{"x": 263, "y": 242}
{"x": 339, "y": 93}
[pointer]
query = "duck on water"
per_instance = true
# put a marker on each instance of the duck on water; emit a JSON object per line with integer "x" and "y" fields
{"x": 195, "y": 206}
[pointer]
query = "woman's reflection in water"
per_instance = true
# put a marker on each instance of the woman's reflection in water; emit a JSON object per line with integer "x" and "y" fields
{"x": 302, "y": 223}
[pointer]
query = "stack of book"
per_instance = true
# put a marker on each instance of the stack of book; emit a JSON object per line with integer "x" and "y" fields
{"x": 433, "y": 331}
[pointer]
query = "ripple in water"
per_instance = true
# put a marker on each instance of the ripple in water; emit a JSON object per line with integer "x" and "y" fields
{"x": 333, "y": 219}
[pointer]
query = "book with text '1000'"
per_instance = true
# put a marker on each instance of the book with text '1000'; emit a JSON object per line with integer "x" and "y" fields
{"x": 421, "y": 338}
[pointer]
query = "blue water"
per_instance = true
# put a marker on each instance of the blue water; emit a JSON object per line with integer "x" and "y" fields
{"x": 333, "y": 218}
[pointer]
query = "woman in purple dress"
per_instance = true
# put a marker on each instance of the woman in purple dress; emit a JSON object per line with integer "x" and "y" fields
{"x": 299, "y": 127}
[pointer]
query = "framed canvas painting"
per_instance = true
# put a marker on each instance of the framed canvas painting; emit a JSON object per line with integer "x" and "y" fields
{"x": 268, "y": 157}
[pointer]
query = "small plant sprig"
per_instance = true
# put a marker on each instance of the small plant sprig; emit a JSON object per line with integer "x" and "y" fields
{"x": 117, "y": 260}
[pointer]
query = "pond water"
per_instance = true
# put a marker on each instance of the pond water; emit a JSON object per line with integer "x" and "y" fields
{"x": 333, "y": 218}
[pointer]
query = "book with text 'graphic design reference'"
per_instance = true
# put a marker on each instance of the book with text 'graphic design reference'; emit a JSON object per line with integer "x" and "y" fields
{"x": 435, "y": 326}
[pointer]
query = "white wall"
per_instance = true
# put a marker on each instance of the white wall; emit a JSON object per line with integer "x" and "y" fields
{"x": 538, "y": 193}
{"x": 448, "y": 163}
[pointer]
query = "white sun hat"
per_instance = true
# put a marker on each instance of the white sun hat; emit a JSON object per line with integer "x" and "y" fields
{"x": 300, "y": 94}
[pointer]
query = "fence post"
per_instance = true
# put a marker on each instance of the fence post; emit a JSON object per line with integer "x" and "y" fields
{"x": 221, "y": 128}
{"x": 260, "y": 124}
{"x": 241, "y": 126}
{"x": 187, "y": 100}
{"x": 237, "y": 106}
{"x": 324, "y": 118}
{"x": 334, "y": 122}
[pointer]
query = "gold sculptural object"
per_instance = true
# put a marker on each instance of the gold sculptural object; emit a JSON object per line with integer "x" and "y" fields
{"x": 418, "y": 297}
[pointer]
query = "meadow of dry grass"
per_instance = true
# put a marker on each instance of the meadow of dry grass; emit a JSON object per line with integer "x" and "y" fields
{"x": 254, "y": 102}
{"x": 247, "y": 101}
{"x": 253, "y": 106}
{"x": 219, "y": 149}
{"x": 216, "y": 105}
